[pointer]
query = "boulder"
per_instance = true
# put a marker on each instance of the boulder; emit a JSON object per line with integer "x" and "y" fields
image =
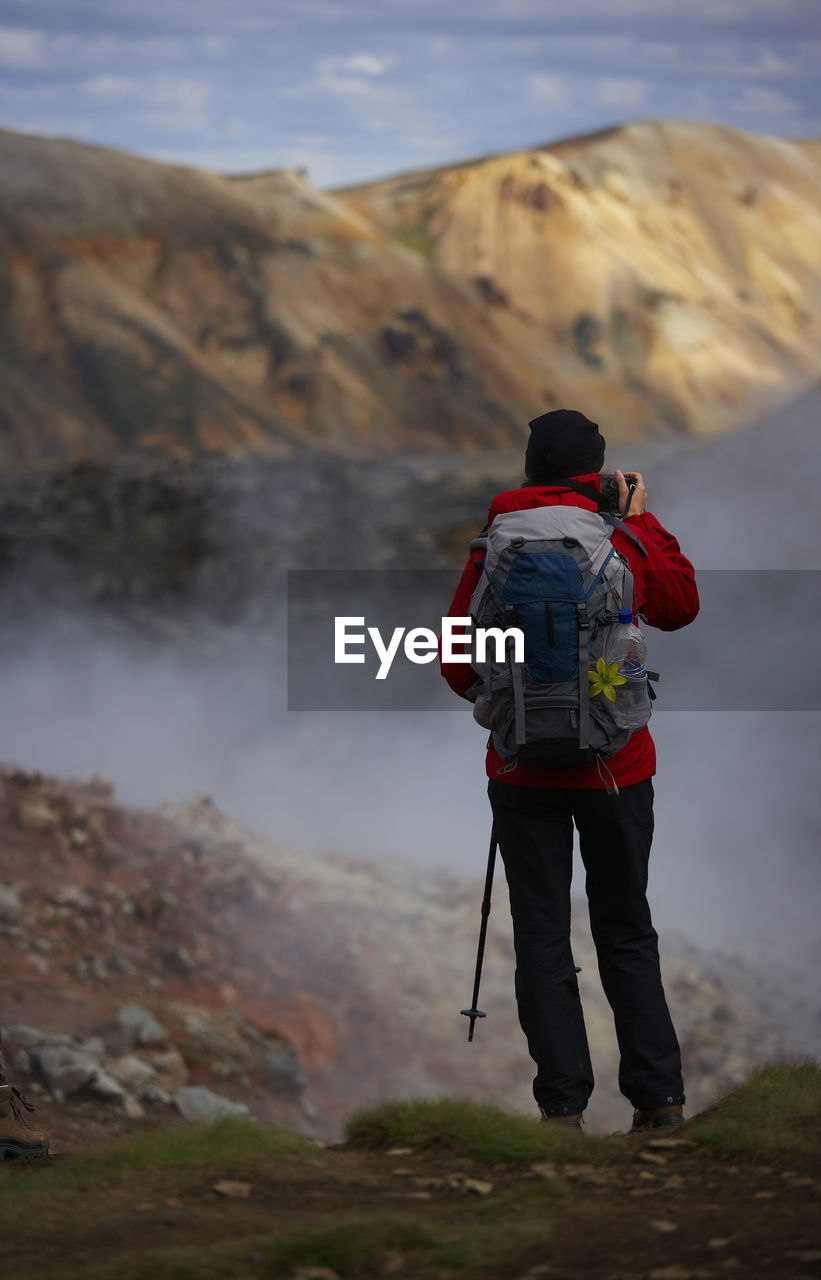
{"x": 200, "y": 1105}
{"x": 11, "y": 904}
{"x": 140, "y": 1026}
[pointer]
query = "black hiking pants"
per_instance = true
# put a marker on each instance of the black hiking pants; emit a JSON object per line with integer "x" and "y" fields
{"x": 534, "y": 827}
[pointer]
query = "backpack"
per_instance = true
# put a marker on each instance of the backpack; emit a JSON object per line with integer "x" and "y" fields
{"x": 552, "y": 572}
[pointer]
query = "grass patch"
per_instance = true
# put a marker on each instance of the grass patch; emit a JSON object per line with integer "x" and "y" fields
{"x": 485, "y": 1235}
{"x": 467, "y": 1128}
{"x": 349, "y": 1245}
{"x": 775, "y": 1115}
{"x": 231, "y": 1146}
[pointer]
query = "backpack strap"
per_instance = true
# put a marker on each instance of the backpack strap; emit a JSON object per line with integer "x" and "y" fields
{"x": 616, "y": 522}
{"x": 479, "y": 543}
{"x": 518, "y": 696}
{"x": 586, "y": 490}
{"x": 584, "y": 683}
{"x": 608, "y": 516}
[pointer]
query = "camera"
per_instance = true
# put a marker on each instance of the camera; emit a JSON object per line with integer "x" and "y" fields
{"x": 610, "y": 488}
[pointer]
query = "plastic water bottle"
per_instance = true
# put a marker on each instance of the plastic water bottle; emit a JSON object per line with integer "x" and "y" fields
{"x": 626, "y": 646}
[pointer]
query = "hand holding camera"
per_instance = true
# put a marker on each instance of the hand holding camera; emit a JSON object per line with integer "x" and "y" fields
{"x": 632, "y": 493}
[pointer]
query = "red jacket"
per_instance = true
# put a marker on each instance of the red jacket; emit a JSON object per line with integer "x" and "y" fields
{"x": 665, "y": 594}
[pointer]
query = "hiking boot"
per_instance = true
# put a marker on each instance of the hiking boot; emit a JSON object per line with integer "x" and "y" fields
{"x": 566, "y": 1122}
{"x": 18, "y": 1141}
{"x": 660, "y": 1118}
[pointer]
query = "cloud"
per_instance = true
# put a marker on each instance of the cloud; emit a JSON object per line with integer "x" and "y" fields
{"x": 155, "y": 100}
{"x": 182, "y": 100}
{"x": 109, "y": 86}
{"x": 354, "y": 78}
{"x": 367, "y": 63}
{"x": 22, "y": 49}
{"x": 546, "y": 90}
{"x": 758, "y": 100}
{"x": 621, "y": 93}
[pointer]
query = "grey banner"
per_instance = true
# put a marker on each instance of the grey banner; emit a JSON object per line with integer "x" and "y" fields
{"x": 753, "y": 647}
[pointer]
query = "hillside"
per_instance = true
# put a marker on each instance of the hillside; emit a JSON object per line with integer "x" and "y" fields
{"x": 297, "y": 986}
{"x": 665, "y": 278}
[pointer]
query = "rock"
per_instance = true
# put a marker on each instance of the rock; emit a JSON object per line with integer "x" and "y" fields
{"x": 200, "y": 1105}
{"x": 169, "y": 1064}
{"x": 73, "y": 897}
{"x": 282, "y": 1069}
{"x": 140, "y": 1026}
{"x": 476, "y": 1186}
{"x": 94, "y": 1047}
{"x": 64, "y": 1070}
{"x": 35, "y": 813}
{"x": 101, "y": 787}
{"x": 133, "y": 1072}
{"x": 663, "y": 1225}
{"x": 11, "y": 904}
{"x": 155, "y": 1097}
{"x": 234, "y": 1190}
{"x": 29, "y": 1038}
{"x": 105, "y": 1086}
{"x": 132, "y": 1107}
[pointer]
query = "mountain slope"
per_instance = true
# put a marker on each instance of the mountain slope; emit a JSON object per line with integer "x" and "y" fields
{"x": 680, "y": 262}
{"x": 665, "y": 278}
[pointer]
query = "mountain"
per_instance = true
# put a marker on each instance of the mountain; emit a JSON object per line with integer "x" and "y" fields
{"x": 665, "y": 278}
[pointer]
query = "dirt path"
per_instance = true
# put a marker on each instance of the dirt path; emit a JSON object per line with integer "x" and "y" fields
{"x": 649, "y": 1213}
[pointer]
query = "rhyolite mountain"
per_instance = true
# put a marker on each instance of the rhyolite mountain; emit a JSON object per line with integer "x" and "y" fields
{"x": 665, "y": 278}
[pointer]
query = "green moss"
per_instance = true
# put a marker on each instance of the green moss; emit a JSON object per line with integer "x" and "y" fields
{"x": 230, "y": 1146}
{"x": 776, "y": 1115}
{"x": 470, "y": 1129}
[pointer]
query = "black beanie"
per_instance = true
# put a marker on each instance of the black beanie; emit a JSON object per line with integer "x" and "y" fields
{"x": 563, "y": 443}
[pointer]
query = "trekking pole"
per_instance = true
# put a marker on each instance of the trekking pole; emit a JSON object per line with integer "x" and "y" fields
{"x": 475, "y": 1013}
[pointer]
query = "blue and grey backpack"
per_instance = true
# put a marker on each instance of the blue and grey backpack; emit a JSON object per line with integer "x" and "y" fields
{"x": 553, "y": 573}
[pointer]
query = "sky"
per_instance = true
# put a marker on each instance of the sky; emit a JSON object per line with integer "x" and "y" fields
{"x": 357, "y": 89}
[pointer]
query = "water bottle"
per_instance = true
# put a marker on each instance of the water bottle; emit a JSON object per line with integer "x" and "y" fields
{"x": 626, "y": 646}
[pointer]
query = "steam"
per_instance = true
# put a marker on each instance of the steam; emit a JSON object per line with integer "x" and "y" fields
{"x": 735, "y": 858}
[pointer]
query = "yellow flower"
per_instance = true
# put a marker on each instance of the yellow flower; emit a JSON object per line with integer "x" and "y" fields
{"x": 604, "y": 679}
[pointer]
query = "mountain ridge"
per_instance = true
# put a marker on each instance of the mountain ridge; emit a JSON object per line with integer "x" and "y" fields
{"x": 663, "y": 277}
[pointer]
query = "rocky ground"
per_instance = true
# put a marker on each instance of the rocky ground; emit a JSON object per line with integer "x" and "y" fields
{"x": 146, "y": 956}
{"x": 637, "y": 1208}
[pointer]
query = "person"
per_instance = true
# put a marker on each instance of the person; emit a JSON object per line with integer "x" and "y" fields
{"x": 535, "y": 810}
{"x": 18, "y": 1139}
